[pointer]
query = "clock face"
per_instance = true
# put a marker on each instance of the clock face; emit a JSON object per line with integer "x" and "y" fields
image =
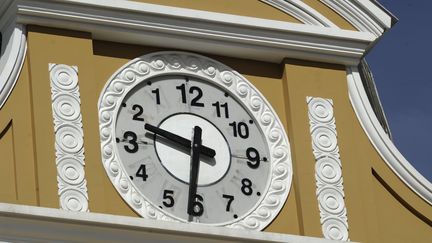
{"x": 229, "y": 184}
{"x": 185, "y": 138}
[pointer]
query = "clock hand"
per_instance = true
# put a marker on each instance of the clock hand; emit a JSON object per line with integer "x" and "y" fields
{"x": 194, "y": 168}
{"x": 180, "y": 140}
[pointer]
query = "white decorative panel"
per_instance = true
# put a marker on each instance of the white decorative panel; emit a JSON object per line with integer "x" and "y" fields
{"x": 69, "y": 137}
{"x": 328, "y": 169}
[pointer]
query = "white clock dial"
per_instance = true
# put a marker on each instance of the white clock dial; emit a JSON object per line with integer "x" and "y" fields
{"x": 229, "y": 184}
{"x": 185, "y": 138}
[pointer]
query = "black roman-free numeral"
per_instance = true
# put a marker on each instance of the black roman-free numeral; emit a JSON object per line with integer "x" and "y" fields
{"x": 194, "y": 90}
{"x": 219, "y": 107}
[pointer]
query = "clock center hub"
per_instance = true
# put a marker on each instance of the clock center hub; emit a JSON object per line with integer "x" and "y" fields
{"x": 176, "y": 160}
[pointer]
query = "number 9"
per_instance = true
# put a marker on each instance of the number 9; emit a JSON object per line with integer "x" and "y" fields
{"x": 253, "y": 155}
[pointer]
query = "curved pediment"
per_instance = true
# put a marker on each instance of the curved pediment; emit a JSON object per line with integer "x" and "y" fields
{"x": 368, "y": 16}
{"x": 256, "y": 9}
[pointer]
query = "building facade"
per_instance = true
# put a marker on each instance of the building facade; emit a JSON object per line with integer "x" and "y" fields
{"x": 291, "y": 143}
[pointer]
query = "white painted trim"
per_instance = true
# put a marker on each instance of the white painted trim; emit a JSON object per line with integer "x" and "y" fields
{"x": 199, "y": 31}
{"x": 384, "y": 18}
{"x": 19, "y": 223}
{"x": 12, "y": 50}
{"x": 69, "y": 137}
{"x": 301, "y": 11}
{"x": 328, "y": 169}
{"x": 380, "y": 140}
{"x": 362, "y": 14}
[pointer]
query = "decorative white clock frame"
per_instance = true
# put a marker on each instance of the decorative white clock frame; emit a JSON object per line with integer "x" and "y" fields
{"x": 172, "y": 63}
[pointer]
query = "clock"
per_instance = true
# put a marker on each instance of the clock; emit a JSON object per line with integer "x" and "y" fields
{"x": 185, "y": 138}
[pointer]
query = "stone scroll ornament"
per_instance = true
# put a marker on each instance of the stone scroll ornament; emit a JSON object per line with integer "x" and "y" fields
{"x": 328, "y": 169}
{"x": 69, "y": 141}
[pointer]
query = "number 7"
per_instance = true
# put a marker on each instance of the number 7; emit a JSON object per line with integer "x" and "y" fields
{"x": 230, "y": 199}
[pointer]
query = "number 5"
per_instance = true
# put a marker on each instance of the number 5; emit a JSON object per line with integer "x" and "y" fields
{"x": 168, "y": 196}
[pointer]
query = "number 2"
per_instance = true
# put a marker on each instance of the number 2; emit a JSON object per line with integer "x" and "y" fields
{"x": 137, "y": 117}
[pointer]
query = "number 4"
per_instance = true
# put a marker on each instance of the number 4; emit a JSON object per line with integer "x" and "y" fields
{"x": 142, "y": 172}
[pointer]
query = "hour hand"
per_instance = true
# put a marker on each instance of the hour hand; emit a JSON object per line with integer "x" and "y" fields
{"x": 179, "y": 140}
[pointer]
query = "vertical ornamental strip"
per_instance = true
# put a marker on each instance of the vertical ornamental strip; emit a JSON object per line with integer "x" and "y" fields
{"x": 328, "y": 169}
{"x": 69, "y": 141}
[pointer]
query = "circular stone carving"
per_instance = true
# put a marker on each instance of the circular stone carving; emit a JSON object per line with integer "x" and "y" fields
{"x": 335, "y": 229}
{"x": 70, "y": 170}
{"x": 66, "y": 107}
{"x": 242, "y": 89}
{"x": 65, "y": 77}
{"x": 321, "y": 110}
{"x": 324, "y": 139}
{"x": 73, "y": 200}
{"x": 328, "y": 170}
{"x": 331, "y": 200}
{"x": 228, "y": 78}
{"x": 256, "y": 103}
{"x": 69, "y": 139}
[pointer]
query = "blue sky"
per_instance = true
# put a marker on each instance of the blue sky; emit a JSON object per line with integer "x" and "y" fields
{"x": 400, "y": 63}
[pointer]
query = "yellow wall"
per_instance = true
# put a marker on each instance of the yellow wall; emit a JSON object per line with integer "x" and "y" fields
{"x": 331, "y": 15}
{"x": 108, "y": 57}
{"x": 250, "y": 8}
{"x": 18, "y": 165}
{"x": 96, "y": 61}
{"x": 253, "y": 8}
{"x": 374, "y": 213}
{"x": 380, "y": 208}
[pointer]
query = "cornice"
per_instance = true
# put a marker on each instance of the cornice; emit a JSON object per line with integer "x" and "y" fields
{"x": 199, "y": 31}
{"x": 19, "y": 223}
{"x": 380, "y": 140}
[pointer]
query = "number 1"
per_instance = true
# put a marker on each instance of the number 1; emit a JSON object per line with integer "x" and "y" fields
{"x": 156, "y": 92}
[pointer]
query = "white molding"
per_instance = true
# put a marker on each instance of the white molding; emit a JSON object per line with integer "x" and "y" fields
{"x": 69, "y": 137}
{"x": 380, "y": 140}
{"x": 301, "y": 11}
{"x": 13, "y": 49}
{"x": 363, "y": 15}
{"x": 19, "y": 223}
{"x": 328, "y": 169}
{"x": 199, "y": 31}
{"x": 379, "y": 14}
{"x": 174, "y": 63}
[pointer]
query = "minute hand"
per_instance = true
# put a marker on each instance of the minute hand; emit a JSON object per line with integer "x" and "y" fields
{"x": 180, "y": 140}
